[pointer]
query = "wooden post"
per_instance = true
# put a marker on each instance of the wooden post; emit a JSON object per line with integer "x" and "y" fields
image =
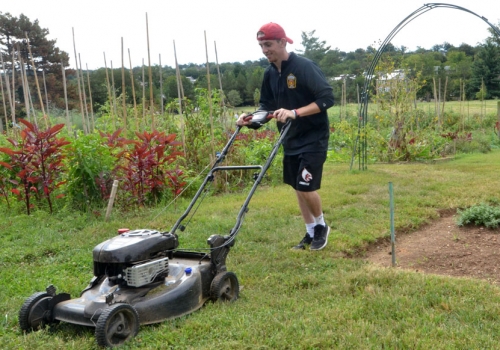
{"x": 7, "y": 84}
{"x": 68, "y": 123}
{"x": 36, "y": 82}
{"x": 151, "y": 104}
{"x": 79, "y": 86}
{"x": 111, "y": 199}
{"x": 132, "y": 81}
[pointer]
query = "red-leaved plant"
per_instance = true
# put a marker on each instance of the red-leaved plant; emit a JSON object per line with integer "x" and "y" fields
{"x": 144, "y": 166}
{"x": 37, "y": 161}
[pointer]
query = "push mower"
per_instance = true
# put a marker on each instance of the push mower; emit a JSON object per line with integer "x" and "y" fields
{"x": 142, "y": 277}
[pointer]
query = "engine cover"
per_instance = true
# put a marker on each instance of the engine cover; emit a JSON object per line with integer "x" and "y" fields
{"x": 134, "y": 246}
{"x": 142, "y": 274}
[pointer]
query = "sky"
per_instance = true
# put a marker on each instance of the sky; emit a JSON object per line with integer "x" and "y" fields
{"x": 225, "y": 30}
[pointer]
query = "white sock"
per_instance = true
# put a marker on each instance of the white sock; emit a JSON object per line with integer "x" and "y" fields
{"x": 320, "y": 220}
{"x": 310, "y": 229}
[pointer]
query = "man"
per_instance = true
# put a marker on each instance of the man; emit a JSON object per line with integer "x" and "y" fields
{"x": 295, "y": 88}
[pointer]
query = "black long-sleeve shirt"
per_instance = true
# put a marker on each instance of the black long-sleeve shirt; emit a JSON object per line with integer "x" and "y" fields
{"x": 300, "y": 83}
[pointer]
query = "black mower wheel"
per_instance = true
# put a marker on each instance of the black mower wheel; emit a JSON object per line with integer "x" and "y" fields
{"x": 225, "y": 287}
{"x": 35, "y": 312}
{"x": 116, "y": 325}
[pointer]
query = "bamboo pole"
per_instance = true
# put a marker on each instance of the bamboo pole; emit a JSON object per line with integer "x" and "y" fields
{"x": 151, "y": 102}
{"x": 14, "y": 90}
{"x": 80, "y": 69}
{"x": 179, "y": 81}
{"x": 498, "y": 118}
{"x": 79, "y": 86}
{"x": 111, "y": 201}
{"x": 132, "y": 81}
{"x": 45, "y": 90}
{"x": 436, "y": 102}
{"x": 90, "y": 98}
{"x": 210, "y": 100}
{"x": 124, "y": 103}
{"x": 161, "y": 86}
{"x": 222, "y": 100}
{"x": 3, "y": 100}
{"x": 179, "y": 84}
{"x": 24, "y": 82}
{"x": 68, "y": 123}
{"x": 440, "y": 116}
{"x": 113, "y": 89}
{"x": 444, "y": 95}
{"x": 7, "y": 84}
{"x": 143, "y": 94}
{"x": 36, "y": 82}
{"x": 110, "y": 98}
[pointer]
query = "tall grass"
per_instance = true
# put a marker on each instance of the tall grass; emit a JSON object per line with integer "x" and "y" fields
{"x": 290, "y": 299}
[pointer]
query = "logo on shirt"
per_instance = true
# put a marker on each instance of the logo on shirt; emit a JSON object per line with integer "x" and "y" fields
{"x": 291, "y": 81}
{"x": 307, "y": 176}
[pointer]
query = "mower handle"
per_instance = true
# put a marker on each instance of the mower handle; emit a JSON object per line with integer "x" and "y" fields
{"x": 250, "y": 116}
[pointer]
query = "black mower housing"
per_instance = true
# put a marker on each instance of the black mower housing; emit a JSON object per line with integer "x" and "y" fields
{"x": 133, "y": 246}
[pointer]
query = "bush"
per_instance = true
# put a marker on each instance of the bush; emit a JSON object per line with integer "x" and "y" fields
{"x": 480, "y": 215}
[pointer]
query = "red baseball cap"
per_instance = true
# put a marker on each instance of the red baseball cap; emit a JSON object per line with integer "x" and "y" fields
{"x": 272, "y": 31}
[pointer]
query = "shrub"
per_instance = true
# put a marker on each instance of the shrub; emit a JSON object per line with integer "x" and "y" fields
{"x": 480, "y": 215}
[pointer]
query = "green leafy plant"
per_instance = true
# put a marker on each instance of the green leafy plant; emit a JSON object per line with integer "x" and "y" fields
{"x": 90, "y": 166}
{"x": 480, "y": 215}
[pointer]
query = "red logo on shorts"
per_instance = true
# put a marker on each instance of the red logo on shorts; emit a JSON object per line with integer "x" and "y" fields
{"x": 307, "y": 176}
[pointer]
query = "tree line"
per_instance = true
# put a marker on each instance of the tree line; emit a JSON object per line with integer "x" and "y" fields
{"x": 463, "y": 72}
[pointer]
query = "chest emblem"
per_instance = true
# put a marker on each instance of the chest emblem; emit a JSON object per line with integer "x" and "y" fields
{"x": 291, "y": 81}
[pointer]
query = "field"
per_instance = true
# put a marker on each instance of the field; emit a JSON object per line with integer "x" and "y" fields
{"x": 290, "y": 299}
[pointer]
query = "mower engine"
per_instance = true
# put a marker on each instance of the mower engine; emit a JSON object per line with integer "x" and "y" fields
{"x": 134, "y": 258}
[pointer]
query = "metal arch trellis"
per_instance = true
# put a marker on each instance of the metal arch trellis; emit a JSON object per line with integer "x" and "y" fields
{"x": 360, "y": 144}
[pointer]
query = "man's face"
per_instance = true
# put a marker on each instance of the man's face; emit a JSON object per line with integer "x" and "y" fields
{"x": 273, "y": 49}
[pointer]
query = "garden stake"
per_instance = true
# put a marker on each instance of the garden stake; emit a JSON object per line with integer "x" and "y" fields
{"x": 111, "y": 199}
{"x": 84, "y": 126}
{"x": 68, "y": 124}
{"x": 133, "y": 92}
{"x": 393, "y": 237}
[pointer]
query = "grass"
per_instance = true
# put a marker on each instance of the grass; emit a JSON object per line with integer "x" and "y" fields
{"x": 291, "y": 299}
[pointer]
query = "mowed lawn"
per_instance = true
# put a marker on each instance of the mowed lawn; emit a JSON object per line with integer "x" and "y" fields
{"x": 329, "y": 299}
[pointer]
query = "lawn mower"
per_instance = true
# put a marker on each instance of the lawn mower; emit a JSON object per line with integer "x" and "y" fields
{"x": 143, "y": 277}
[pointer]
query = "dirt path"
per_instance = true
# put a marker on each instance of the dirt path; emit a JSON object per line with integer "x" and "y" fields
{"x": 444, "y": 248}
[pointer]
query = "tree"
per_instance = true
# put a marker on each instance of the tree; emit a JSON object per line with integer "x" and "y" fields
{"x": 486, "y": 68}
{"x": 47, "y": 57}
{"x": 234, "y": 98}
{"x": 314, "y": 49}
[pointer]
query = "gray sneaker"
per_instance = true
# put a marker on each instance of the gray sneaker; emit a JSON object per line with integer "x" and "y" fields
{"x": 320, "y": 237}
{"x": 305, "y": 241}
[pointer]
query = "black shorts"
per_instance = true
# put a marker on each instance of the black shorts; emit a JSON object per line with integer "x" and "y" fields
{"x": 303, "y": 171}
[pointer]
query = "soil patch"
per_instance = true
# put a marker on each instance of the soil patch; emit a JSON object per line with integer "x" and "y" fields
{"x": 444, "y": 248}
